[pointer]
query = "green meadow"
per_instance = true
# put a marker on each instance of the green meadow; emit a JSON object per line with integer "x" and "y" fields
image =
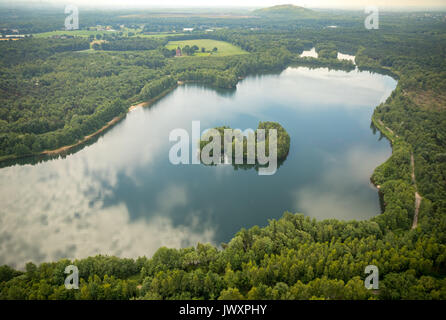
{"x": 223, "y": 48}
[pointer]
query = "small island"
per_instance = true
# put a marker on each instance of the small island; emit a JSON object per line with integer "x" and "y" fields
{"x": 249, "y": 148}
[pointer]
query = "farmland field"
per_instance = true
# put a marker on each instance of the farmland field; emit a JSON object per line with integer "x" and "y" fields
{"x": 224, "y": 48}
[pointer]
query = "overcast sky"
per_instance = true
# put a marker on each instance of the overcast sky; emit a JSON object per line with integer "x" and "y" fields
{"x": 241, "y": 3}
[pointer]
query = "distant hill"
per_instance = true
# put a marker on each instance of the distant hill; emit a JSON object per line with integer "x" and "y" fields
{"x": 288, "y": 10}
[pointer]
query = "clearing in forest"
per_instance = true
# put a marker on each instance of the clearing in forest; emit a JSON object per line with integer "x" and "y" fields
{"x": 223, "y": 48}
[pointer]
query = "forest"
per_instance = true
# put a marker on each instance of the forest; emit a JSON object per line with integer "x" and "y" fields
{"x": 53, "y": 92}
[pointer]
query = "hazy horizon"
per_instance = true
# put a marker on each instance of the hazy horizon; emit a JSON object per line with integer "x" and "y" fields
{"x": 340, "y": 4}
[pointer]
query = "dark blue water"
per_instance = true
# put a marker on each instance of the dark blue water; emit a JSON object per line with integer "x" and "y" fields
{"x": 122, "y": 196}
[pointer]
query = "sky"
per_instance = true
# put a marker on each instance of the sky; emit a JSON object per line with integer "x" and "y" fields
{"x": 241, "y": 3}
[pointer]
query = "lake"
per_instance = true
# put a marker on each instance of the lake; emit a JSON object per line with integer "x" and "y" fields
{"x": 121, "y": 195}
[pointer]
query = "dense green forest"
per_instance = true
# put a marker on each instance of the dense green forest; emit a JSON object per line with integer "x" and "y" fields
{"x": 53, "y": 92}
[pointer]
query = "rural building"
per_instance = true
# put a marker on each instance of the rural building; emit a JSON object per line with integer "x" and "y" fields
{"x": 178, "y": 52}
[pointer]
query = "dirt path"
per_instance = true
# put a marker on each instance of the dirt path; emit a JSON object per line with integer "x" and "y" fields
{"x": 418, "y": 198}
{"x": 390, "y": 130}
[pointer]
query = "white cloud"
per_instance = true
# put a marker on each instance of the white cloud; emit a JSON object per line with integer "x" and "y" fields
{"x": 62, "y": 214}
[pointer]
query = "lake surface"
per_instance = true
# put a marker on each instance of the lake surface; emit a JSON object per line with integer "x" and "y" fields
{"x": 122, "y": 196}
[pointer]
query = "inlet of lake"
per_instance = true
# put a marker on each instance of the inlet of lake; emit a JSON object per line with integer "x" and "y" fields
{"x": 121, "y": 195}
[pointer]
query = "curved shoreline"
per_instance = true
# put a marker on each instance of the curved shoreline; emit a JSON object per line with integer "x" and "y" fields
{"x": 392, "y": 137}
{"x": 87, "y": 138}
{"x": 388, "y": 135}
{"x": 133, "y": 107}
{"x": 109, "y": 124}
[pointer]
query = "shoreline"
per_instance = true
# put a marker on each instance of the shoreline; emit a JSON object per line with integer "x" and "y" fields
{"x": 86, "y": 138}
{"x": 108, "y": 125}
{"x": 389, "y": 136}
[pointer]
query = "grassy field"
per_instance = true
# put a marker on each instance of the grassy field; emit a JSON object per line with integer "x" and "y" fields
{"x": 224, "y": 48}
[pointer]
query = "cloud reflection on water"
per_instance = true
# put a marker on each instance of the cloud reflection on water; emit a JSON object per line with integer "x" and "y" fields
{"x": 63, "y": 215}
{"x": 332, "y": 196}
